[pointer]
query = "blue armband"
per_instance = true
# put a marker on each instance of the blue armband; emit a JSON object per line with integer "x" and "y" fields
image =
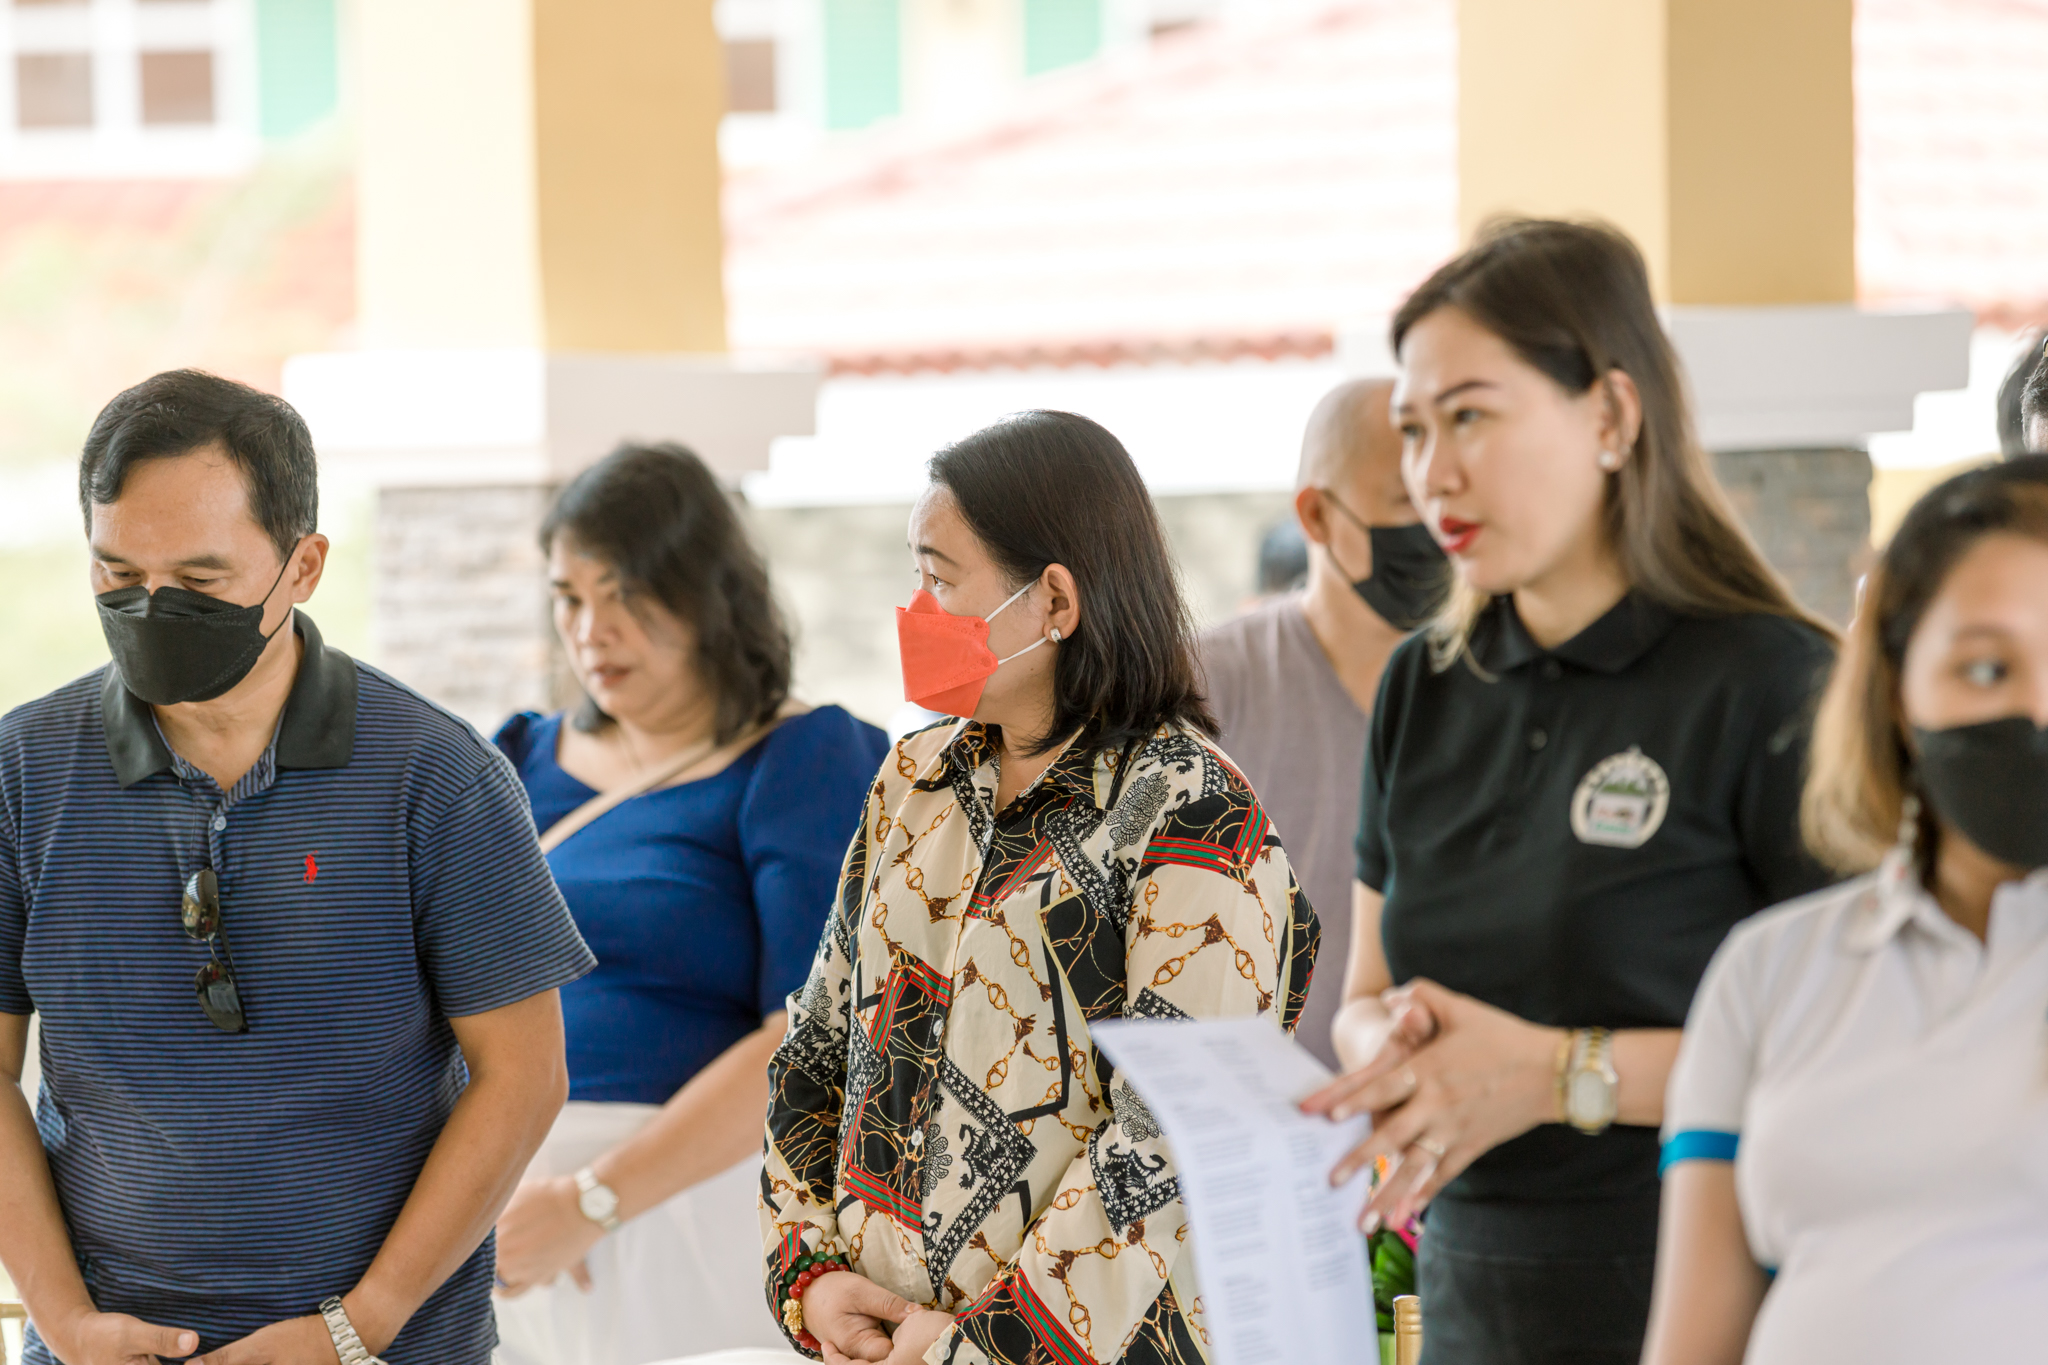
{"x": 1697, "y": 1144}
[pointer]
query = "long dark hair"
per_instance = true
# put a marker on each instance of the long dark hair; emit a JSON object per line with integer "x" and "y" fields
{"x": 1044, "y": 488}
{"x": 1860, "y": 772}
{"x": 656, "y": 515}
{"x": 1573, "y": 300}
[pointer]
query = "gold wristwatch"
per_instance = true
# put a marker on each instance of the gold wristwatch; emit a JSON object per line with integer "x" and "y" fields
{"x": 1587, "y": 1087}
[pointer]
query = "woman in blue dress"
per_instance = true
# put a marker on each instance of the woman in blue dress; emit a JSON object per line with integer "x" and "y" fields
{"x": 695, "y": 818}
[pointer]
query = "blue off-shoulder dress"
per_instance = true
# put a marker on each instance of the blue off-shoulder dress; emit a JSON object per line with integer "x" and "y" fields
{"x": 703, "y": 901}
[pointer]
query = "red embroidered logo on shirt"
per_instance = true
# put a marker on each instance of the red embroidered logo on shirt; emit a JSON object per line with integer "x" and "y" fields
{"x": 312, "y": 868}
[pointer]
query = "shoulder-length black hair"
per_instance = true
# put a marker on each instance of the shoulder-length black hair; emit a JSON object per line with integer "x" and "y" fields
{"x": 656, "y": 515}
{"x": 1044, "y": 488}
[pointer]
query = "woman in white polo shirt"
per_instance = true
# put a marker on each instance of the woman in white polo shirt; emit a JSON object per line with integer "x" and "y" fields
{"x": 1856, "y": 1137}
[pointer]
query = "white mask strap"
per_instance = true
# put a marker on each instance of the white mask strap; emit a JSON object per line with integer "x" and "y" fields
{"x": 999, "y": 611}
{"x": 1012, "y": 597}
{"x": 1022, "y": 652}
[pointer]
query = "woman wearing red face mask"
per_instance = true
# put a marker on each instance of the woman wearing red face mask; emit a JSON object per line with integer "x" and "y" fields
{"x": 949, "y": 1159}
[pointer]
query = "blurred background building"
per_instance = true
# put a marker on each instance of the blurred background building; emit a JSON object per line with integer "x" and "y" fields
{"x": 161, "y": 88}
{"x": 879, "y": 224}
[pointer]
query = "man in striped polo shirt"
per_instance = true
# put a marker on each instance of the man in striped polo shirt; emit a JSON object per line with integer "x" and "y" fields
{"x": 292, "y": 944}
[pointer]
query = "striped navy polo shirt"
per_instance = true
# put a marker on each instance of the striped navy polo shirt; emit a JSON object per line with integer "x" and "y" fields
{"x": 378, "y": 874}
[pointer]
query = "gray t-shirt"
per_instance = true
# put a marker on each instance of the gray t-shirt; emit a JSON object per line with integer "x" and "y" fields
{"x": 1294, "y": 731}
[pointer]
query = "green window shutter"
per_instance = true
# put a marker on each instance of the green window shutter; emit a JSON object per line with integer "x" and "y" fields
{"x": 1060, "y": 32}
{"x": 297, "y": 74}
{"x": 863, "y": 62}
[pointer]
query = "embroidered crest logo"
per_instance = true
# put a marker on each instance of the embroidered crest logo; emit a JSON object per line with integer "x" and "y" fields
{"x": 1621, "y": 802}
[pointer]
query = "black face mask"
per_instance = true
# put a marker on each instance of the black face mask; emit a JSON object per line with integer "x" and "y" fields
{"x": 174, "y": 645}
{"x": 1990, "y": 781}
{"x": 1410, "y": 575}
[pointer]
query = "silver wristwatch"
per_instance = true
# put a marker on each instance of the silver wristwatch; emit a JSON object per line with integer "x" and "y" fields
{"x": 597, "y": 1200}
{"x": 347, "y": 1344}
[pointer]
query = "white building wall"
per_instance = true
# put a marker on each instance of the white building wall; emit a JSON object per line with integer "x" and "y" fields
{"x": 117, "y": 144}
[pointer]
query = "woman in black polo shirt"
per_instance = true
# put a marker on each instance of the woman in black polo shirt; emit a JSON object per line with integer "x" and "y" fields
{"x": 1577, "y": 782}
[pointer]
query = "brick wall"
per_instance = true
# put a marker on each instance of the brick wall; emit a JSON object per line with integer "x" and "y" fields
{"x": 1810, "y": 513}
{"x": 459, "y": 608}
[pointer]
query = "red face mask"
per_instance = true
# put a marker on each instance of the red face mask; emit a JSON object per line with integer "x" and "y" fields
{"x": 946, "y": 658}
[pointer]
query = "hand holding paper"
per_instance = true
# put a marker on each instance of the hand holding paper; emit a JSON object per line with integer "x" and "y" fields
{"x": 1283, "y": 1272}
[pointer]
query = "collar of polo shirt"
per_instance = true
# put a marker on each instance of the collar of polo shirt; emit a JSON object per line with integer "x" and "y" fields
{"x": 1628, "y": 630}
{"x": 318, "y": 729}
{"x": 1895, "y": 898}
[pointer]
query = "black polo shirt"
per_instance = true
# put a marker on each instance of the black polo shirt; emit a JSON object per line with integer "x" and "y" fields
{"x": 1571, "y": 838}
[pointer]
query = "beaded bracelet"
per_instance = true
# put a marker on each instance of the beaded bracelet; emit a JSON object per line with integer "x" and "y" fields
{"x": 795, "y": 1280}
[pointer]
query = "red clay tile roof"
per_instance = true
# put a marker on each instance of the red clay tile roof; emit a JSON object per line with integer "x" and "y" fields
{"x": 1952, "y": 154}
{"x": 1245, "y": 189}
{"x": 1235, "y": 191}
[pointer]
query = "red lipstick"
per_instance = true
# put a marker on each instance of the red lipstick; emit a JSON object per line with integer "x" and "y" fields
{"x": 1457, "y": 536}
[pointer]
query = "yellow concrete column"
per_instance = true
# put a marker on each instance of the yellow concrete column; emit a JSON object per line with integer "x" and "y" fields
{"x": 1718, "y": 133}
{"x": 540, "y": 173}
{"x": 540, "y": 279}
{"x": 447, "y": 243}
{"x": 629, "y": 94}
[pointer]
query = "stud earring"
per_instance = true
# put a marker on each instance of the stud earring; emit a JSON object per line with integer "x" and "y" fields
{"x": 1609, "y": 461}
{"x": 1053, "y": 635}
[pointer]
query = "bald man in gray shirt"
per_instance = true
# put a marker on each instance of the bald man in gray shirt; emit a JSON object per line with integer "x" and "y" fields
{"x": 1292, "y": 681}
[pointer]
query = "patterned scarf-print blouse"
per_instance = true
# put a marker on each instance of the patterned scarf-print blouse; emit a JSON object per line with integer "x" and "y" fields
{"x": 938, "y": 1112}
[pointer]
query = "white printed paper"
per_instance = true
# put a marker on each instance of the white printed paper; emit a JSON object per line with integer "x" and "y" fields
{"x": 1282, "y": 1265}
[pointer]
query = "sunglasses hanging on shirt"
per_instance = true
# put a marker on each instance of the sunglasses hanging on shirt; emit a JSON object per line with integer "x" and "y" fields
{"x": 219, "y": 996}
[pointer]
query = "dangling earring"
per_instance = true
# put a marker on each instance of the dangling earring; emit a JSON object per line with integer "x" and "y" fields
{"x": 1909, "y": 834}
